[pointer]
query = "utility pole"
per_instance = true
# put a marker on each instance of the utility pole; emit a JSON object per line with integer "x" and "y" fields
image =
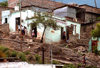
{"x": 43, "y": 59}
{"x": 20, "y": 4}
{"x": 20, "y": 1}
{"x": 95, "y": 3}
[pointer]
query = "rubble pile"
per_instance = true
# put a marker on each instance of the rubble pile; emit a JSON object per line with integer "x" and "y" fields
{"x": 70, "y": 52}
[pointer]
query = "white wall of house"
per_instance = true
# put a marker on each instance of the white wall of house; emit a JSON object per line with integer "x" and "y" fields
{"x": 5, "y": 14}
{"x": 52, "y": 35}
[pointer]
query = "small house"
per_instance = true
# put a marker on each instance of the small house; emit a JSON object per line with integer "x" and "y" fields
{"x": 94, "y": 44}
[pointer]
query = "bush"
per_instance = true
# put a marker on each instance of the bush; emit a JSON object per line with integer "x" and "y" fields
{"x": 69, "y": 66}
{"x": 3, "y": 49}
{"x": 30, "y": 58}
{"x": 55, "y": 62}
{"x": 79, "y": 65}
{"x": 2, "y": 54}
{"x": 14, "y": 54}
{"x": 90, "y": 67}
{"x": 22, "y": 56}
{"x": 8, "y": 53}
{"x": 98, "y": 19}
{"x": 26, "y": 52}
{"x": 38, "y": 59}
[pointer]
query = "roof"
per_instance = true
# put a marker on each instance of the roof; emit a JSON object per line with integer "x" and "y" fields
{"x": 47, "y": 4}
{"x": 5, "y": 7}
{"x": 90, "y": 9}
{"x": 87, "y": 5}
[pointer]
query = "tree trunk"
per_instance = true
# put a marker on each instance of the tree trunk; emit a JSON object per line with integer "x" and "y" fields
{"x": 43, "y": 55}
{"x": 43, "y": 35}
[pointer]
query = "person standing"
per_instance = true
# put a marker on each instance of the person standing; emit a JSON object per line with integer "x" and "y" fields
{"x": 25, "y": 29}
{"x": 84, "y": 59}
{"x": 22, "y": 31}
{"x": 18, "y": 28}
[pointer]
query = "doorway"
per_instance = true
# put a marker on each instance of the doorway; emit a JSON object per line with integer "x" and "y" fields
{"x": 94, "y": 45}
{"x": 35, "y": 31}
{"x": 62, "y": 30}
{"x": 17, "y": 23}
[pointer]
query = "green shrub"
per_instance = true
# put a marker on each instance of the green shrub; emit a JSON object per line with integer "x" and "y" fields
{"x": 38, "y": 59}
{"x": 69, "y": 66}
{"x": 98, "y": 18}
{"x": 2, "y": 54}
{"x": 79, "y": 65}
{"x": 8, "y": 53}
{"x": 3, "y": 49}
{"x": 31, "y": 58}
{"x": 90, "y": 67}
{"x": 14, "y": 54}
{"x": 22, "y": 56}
{"x": 26, "y": 52}
{"x": 55, "y": 62}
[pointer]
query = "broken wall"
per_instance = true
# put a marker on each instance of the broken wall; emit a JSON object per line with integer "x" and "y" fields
{"x": 4, "y": 28}
{"x": 86, "y": 30}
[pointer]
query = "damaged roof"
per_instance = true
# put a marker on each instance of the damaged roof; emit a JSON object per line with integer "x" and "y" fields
{"x": 90, "y": 9}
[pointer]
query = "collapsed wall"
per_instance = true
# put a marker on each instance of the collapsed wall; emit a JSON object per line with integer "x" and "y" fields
{"x": 4, "y": 29}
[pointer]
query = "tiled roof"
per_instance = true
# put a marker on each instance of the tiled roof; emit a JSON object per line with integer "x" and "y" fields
{"x": 40, "y": 3}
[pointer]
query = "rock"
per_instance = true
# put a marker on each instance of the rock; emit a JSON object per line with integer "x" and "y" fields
{"x": 12, "y": 36}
